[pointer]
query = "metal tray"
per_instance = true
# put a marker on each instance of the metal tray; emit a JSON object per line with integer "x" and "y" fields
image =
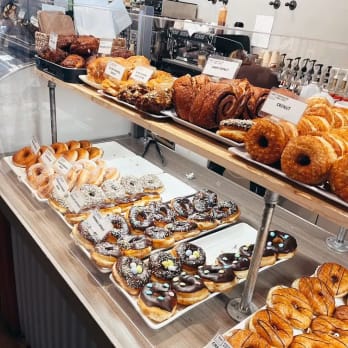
{"x": 321, "y": 190}
{"x": 172, "y": 114}
{"x": 70, "y": 75}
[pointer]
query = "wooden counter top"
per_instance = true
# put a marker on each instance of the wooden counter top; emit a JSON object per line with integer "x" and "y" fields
{"x": 217, "y": 153}
{"x": 112, "y": 313}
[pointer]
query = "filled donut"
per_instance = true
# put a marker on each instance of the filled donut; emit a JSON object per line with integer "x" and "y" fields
{"x": 245, "y": 339}
{"x": 25, "y": 157}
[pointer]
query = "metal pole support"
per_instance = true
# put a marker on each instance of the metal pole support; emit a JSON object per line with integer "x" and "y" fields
{"x": 52, "y": 95}
{"x": 338, "y": 243}
{"x": 241, "y": 307}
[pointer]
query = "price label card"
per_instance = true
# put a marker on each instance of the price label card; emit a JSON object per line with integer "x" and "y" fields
{"x": 218, "y": 342}
{"x": 34, "y": 21}
{"x": 282, "y": 106}
{"x": 222, "y": 67}
{"x": 105, "y": 46}
{"x": 142, "y": 74}
{"x": 115, "y": 70}
{"x": 52, "y": 43}
{"x": 62, "y": 166}
{"x": 99, "y": 225}
{"x": 35, "y": 146}
{"x": 48, "y": 158}
{"x": 21, "y": 14}
{"x": 60, "y": 185}
{"x": 75, "y": 201}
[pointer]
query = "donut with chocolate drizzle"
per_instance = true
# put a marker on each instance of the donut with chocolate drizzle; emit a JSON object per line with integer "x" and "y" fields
{"x": 140, "y": 218}
{"x": 204, "y": 200}
{"x": 182, "y": 207}
{"x": 239, "y": 263}
{"x": 269, "y": 256}
{"x": 135, "y": 246}
{"x": 226, "y": 211}
{"x": 160, "y": 237}
{"x": 183, "y": 229}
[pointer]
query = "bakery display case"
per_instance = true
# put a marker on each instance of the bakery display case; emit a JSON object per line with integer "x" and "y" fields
{"x": 75, "y": 292}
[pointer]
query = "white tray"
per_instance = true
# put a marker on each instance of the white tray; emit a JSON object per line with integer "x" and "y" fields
{"x": 113, "y": 149}
{"x": 226, "y": 240}
{"x": 90, "y": 83}
{"x": 158, "y": 116}
{"x": 317, "y": 189}
{"x": 207, "y": 132}
{"x": 135, "y": 165}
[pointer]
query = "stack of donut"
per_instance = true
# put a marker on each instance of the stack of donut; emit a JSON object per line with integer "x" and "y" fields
{"x": 304, "y": 315}
{"x": 313, "y": 153}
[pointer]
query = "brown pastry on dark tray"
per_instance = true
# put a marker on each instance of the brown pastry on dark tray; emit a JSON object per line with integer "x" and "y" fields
{"x": 53, "y": 56}
{"x": 185, "y": 90}
{"x": 73, "y": 61}
{"x": 215, "y": 102}
{"x": 84, "y": 45}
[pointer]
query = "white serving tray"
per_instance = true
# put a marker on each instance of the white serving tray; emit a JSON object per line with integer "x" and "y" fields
{"x": 241, "y": 152}
{"x": 90, "y": 83}
{"x": 225, "y": 240}
{"x": 113, "y": 149}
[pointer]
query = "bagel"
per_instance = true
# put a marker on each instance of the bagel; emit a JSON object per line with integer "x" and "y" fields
{"x": 308, "y": 159}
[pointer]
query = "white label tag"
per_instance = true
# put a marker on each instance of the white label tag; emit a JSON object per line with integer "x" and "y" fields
{"x": 48, "y": 158}
{"x": 105, "y": 46}
{"x": 218, "y": 342}
{"x": 5, "y": 57}
{"x": 62, "y": 166}
{"x": 100, "y": 226}
{"x": 21, "y": 14}
{"x": 115, "y": 70}
{"x": 35, "y": 146}
{"x": 222, "y": 68}
{"x": 52, "y": 43}
{"x": 75, "y": 201}
{"x": 141, "y": 74}
{"x": 34, "y": 21}
{"x": 60, "y": 185}
{"x": 284, "y": 107}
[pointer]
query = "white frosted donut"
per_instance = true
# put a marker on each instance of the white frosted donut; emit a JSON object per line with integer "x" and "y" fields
{"x": 131, "y": 184}
{"x": 113, "y": 189}
{"x": 151, "y": 182}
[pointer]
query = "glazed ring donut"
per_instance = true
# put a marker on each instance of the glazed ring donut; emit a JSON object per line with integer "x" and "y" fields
{"x": 310, "y": 340}
{"x": 265, "y": 141}
{"x": 85, "y": 144}
{"x": 189, "y": 289}
{"x": 191, "y": 256}
{"x": 271, "y": 326}
{"x": 59, "y": 148}
{"x": 157, "y": 301}
{"x": 335, "y": 277}
{"x": 73, "y": 144}
{"x": 96, "y": 176}
{"x": 82, "y": 154}
{"x": 131, "y": 273}
{"x": 164, "y": 266}
{"x": 111, "y": 174}
{"x": 82, "y": 178}
{"x": 321, "y": 109}
{"x": 183, "y": 229}
{"x": 217, "y": 278}
{"x": 308, "y": 159}
{"x": 204, "y": 201}
{"x": 24, "y": 157}
{"x": 182, "y": 207}
{"x": 292, "y": 305}
{"x": 140, "y": 218}
{"x": 135, "y": 246}
{"x": 95, "y": 153}
{"x": 245, "y": 339}
{"x": 341, "y": 312}
{"x": 318, "y": 294}
{"x": 37, "y": 174}
{"x": 329, "y": 326}
{"x": 338, "y": 178}
{"x": 45, "y": 186}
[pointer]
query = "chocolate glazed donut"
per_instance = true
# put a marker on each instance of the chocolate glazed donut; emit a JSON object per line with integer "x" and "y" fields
{"x": 158, "y": 295}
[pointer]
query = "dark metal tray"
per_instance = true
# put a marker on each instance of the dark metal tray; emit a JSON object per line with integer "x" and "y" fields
{"x": 70, "y": 75}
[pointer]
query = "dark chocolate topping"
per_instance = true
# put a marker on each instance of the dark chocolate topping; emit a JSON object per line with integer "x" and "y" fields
{"x": 134, "y": 271}
{"x": 187, "y": 283}
{"x": 224, "y": 209}
{"x": 204, "y": 200}
{"x": 120, "y": 225}
{"x": 154, "y": 232}
{"x": 190, "y": 254}
{"x": 216, "y": 273}
{"x": 134, "y": 242}
{"x": 159, "y": 295}
{"x": 234, "y": 260}
{"x": 86, "y": 230}
{"x": 140, "y": 217}
{"x": 247, "y": 251}
{"x": 164, "y": 265}
{"x": 281, "y": 242}
{"x": 207, "y": 216}
{"x": 108, "y": 249}
{"x": 181, "y": 226}
{"x": 182, "y": 207}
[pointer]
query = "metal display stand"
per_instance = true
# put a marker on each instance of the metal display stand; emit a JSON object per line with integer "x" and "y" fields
{"x": 149, "y": 139}
{"x": 52, "y": 95}
{"x": 338, "y": 243}
{"x": 241, "y": 307}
